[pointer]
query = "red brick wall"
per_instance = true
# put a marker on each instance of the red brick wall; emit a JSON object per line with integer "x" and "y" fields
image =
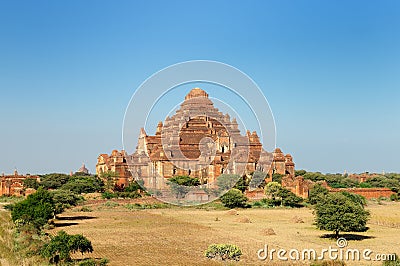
{"x": 368, "y": 193}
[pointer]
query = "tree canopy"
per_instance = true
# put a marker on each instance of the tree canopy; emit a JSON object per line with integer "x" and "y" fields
{"x": 338, "y": 213}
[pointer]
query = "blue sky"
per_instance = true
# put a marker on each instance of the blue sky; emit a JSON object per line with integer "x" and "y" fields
{"x": 329, "y": 69}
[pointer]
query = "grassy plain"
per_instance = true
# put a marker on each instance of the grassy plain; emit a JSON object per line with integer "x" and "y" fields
{"x": 179, "y": 236}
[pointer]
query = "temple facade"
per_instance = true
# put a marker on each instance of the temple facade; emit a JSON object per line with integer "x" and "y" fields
{"x": 198, "y": 141}
{"x": 13, "y": 185}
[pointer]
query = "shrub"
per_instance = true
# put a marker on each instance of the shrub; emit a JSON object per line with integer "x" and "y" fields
{"x": 223, "y": 252}
{"x": 234, "y": 198}
{"x": 62, "y": 245}
{"x": 35, "y": 210}
{"x": 394, "y": 197}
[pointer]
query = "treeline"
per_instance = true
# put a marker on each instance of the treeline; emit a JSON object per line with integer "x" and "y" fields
{"x": 78, "y": 183}
{"x": 389, "y": 180}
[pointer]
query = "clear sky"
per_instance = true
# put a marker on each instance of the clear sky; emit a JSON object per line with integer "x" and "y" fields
{"x": 329, "y": 69}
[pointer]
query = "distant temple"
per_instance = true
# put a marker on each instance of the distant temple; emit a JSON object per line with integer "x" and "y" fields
{"x": 13, "y": 185}
{"x": 83, "y": 169}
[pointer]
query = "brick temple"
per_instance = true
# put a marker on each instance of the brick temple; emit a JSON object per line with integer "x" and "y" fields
{"x": 198, "y": 141}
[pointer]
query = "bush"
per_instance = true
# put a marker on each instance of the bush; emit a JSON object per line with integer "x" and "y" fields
{"x": 223, "y": 252}
{"x": 394, "y": 197}
{"x": 234, "y": 198}
{"x": 35, "y": 210}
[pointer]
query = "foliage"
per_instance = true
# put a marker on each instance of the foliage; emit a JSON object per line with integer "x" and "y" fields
{"x": 280, "y": 196}
{"x": 53, "y": 181}
{"x": 338, "y": 213}
{"x": 135, "y": 186}
{"x": 113, "y": 195}
{"x": 277, "y": 178}
{"x": 110, "y": 178}
{"x": 234, "y": 198}
{"x": 35, "y": 210}
{"x": 394, "y": 197}
{"x": 223, "y": 252}
{"x": 84, "y": 184}
{"x": 383, "y": 181}
{"x": 64, "y": 199}
{"x": 31, "y": 183}
{"x": 289, "y": 199}
{"x": 317, "y": 193}
{"x": 227, "y": 181}
{"x": 93, "y": 262}
{"x": 300, "y": 172}
{"x": 242, "y": 184}
{"x": 63, "y": 244}
{"x": 265, "y": 203}
{"x": 180, "y": 185}
{"x": 272, "y": 189}
{"x": 355, "y": 198}
{"x": 257, "y": 180}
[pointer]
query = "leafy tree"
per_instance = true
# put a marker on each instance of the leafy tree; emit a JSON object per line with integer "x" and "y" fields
{"x": 314, "y": 176}
{"x": 338, "y": 213}
{"x": 257, "y": 179}
{"x": 277, "y": 178}
{"x": 234, "y": 198}
{"x": 63, "y": 244}
{"x": 317, "y": 193}
{"x": 53, "y": 181}
{"x": 64, "y": 199}
{"x": 281, "y": 196}
{"x": 289, "y": 199}
{"x": 383, "y": 181}
{"x": 31, "y": 183}
{"x": 134, "y": 186}
{"x": 180, "y": 185}
{"x": 227, "y": 181}
{"x": 300, "y": 172}
{"x": 110, "y": 179}
{"x": 242, "y": 184}
{"x": 35, "y": 210}
{"x": 84, "y": 184}
{"x": 355, "y": 198}
{"x": 272, "y": 190}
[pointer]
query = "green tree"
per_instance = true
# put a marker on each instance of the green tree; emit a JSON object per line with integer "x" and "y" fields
{"x": 64, "y": 199}
{"x": 180, "y": 185}
{"x": 355, "y": 198}
{"x": 277, "y": 178}
{"x": 272, "y": 190}
{"x": 63, "y": 244}
{"x": 242, "y": 184}
{"x": 234, "y": 198}
{"x": 31, "y": 183}
{"x": 84, "y": 184}
{"x": 300, "y": 172}
{"x": 35, "y": 210}
{"x": 338, "y": 213}
{"x": 317, "y": 193}
{"x": 257, "y": 180}
{"x": 227, "y": 181}
{"x": 53, "y": 181}
{"x": 289, "y": 199}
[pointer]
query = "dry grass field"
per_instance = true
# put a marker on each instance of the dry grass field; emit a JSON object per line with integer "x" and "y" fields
{"x": 179, "y": 236}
